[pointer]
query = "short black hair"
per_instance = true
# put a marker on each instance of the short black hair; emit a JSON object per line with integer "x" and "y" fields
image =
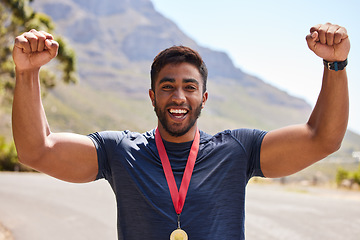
{"x": 175, "y": 55}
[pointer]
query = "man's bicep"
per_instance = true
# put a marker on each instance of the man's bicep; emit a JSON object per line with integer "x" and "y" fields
{"x": 288, "y": 150}
{"x": 69, "y": 157}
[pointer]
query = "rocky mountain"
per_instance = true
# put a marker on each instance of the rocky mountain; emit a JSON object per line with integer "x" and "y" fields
{"x": 115, "y": 42}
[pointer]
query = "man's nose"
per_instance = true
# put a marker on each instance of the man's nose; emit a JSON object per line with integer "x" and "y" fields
{"x": 179, "y": 96}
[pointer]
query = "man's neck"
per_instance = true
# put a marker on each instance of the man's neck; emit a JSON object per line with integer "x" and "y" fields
{"x": 187, "y": 137}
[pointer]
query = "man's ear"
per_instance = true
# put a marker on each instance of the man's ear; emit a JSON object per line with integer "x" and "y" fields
{"x": 152, "y": 97}
{"x": 205, "y": 98}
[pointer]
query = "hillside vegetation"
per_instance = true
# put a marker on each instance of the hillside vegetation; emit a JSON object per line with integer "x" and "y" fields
{"x": 115, "y": 42}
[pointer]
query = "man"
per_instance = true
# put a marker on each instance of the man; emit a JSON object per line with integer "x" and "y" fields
{"x": 137, "y": 166}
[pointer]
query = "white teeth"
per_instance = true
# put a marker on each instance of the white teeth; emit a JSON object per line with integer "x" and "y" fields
{"x": 178, "y": 111}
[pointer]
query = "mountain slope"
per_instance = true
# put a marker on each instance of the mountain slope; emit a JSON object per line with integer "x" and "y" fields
{"x": 115, "y": 42}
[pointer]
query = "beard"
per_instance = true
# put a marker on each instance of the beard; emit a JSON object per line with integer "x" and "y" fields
{"x": 175, "y": 129}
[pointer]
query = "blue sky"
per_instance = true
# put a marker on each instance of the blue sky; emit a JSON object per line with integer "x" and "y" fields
{"x": 267, "y": 39}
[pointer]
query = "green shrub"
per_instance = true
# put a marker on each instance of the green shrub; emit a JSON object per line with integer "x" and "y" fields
{"x": 341, "y": 175}
{"x": 8, "y": 156}
{"x": 356, "y": 176}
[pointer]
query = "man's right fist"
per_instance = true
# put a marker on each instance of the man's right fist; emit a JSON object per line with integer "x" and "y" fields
{"x": 34, "y": 49}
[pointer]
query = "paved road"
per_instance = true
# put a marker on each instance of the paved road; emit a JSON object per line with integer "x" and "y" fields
{"x": 275, "y": 212}
{"x": 38, "y": 207}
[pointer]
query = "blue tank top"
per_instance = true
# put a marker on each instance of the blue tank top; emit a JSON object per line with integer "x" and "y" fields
{"x": 215, "y": 204}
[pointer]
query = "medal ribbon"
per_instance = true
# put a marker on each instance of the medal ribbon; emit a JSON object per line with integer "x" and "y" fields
{"x": 178, "y": 197}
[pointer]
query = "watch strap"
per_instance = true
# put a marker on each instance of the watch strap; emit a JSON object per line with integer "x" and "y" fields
{"x": 336, "y": 66}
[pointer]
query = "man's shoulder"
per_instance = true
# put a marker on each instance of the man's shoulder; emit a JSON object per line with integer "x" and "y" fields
{"x": 120, "y": 136}
{"x": 244, "y": 138}
{"x": 239, "y": 133}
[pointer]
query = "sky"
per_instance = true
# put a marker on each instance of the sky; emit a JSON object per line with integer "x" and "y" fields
{"x": 267, "y": 39}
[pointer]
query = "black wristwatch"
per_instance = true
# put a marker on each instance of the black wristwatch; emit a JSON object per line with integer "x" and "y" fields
{"x": 335, "y": 65}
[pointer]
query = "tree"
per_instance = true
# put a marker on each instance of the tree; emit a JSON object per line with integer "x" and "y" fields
{"x": 18, "y": 17}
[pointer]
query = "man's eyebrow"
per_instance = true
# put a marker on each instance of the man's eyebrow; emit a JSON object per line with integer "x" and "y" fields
{"x": 172, "y": 80}
{"x": 191, "y": 80}
{"x": 166, "y": 79}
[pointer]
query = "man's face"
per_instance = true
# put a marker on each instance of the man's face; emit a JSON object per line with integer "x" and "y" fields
{"x": 178, "y": 97}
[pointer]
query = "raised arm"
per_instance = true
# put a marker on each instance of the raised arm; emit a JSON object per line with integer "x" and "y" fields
{"x": 290, "y": 149}
{"x": 69, "y": 157}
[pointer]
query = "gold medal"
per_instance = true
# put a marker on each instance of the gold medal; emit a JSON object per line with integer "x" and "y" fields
{"x": 178, "y": 234}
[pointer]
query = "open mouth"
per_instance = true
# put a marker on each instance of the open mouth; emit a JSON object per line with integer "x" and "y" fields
{"x": 178, "y": 113}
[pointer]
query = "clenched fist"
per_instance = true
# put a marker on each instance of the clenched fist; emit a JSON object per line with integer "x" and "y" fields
{"x": 34, "y": 49}
{"x": 329, "y": 41}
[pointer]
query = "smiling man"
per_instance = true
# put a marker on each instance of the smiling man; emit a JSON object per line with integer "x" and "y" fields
{"x": 176, "y": 181}
{"x": 180, "y": 92}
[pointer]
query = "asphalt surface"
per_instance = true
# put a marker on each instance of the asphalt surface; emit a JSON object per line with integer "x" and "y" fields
{"x": 38, "y": 207}
{"x": 292, "y": 213}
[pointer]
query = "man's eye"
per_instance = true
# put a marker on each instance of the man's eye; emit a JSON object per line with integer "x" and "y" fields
{"x": 166, "y": 87}
{"x": 190, "y": 87}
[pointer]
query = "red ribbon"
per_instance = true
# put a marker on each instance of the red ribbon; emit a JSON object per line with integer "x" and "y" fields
{"x": 178, "y": 197}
